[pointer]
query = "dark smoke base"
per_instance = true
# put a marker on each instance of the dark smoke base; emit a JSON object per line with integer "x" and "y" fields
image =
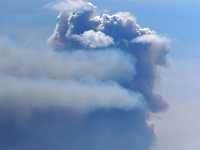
{"x": 57, "y": 129}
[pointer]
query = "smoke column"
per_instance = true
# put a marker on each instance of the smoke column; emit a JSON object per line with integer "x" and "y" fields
{"x": 80, "y": 28}
{"x": 93, "y": 90}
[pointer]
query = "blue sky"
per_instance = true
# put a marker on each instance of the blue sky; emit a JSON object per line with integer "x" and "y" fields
{"x": 29, "y": 24}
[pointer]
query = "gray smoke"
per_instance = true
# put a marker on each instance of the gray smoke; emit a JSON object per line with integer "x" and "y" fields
{"x": 94, "y": 90}
{"x": 80, "y": 79}
{"x": 82, "y": 28}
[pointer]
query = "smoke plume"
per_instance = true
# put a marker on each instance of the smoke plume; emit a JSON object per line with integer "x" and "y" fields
{"x": 82, "y": 28}
{"x": 92, "y": 90}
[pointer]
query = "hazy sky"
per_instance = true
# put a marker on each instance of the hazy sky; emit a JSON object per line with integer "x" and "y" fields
{"x": 179, "y": 20}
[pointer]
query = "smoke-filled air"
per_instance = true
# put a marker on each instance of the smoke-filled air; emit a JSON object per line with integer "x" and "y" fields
{"x": 92, "y": 89}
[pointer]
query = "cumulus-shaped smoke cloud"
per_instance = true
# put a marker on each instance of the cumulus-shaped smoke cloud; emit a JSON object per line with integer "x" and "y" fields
{"x": 93, "y": 91}
{"x": 83, "y": 29}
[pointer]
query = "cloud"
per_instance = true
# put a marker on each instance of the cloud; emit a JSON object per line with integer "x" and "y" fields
{"x": 69, "y": 6}
{"x": 92, "y": 39}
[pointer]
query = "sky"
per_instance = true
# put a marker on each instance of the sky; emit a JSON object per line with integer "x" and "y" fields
{"x": 28, "y": 24}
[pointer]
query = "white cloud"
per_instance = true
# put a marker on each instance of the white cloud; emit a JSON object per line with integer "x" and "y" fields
{"x": 70, "y": 6}
{"x": 92, "y": 39}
